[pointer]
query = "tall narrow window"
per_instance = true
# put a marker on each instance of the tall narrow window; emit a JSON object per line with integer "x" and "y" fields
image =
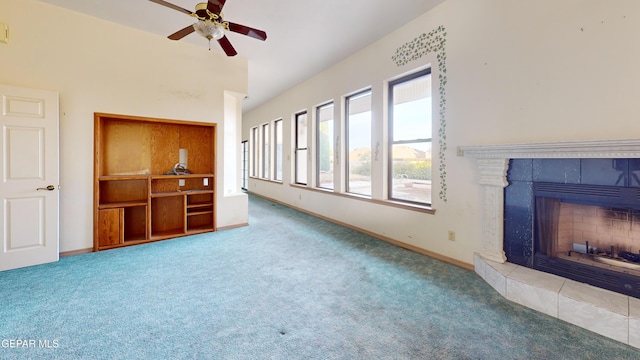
{"x": 358, "y": 111}
{"x": 255, "y": 146}
{"x": 277, "y": 129}
{"x": 301, "y": 148}
{"x": 245, "y": 164}
{"x": 410, "y": 138}
{"x": 266, "y": 150}
{"x": 324, "y": 118}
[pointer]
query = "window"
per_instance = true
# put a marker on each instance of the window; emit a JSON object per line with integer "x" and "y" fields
{"x": 358, "y": 125}
{"x": 410, "y": 138}
{"x": 324, "y": 162}
{"x": 245, "y": 164}
{"x": 255, "y": 145}
{"x": 277, "y": 129}
{"x": 301, "y": 148}
{"x": 266, "y": 149}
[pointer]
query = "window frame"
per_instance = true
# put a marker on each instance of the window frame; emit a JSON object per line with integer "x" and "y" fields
{"x": 254, "y": 155}
{"x": 391, "y": 142}
{"x": 347, "y": 101}
{"x": 278, "y": 145}
{"x": 298, "y": 148}
{"x": 319, "y": 148}
{"x": 265, "y": 146}
{"x": 245, "y": 164}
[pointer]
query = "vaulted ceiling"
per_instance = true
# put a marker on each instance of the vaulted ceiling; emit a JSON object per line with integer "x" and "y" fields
{"x": 304, "y": 36}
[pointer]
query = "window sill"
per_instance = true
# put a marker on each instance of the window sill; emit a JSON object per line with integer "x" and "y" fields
{"x": 396, "y": 204}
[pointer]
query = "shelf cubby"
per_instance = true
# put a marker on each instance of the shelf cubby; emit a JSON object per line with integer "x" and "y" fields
{"x": 200, "y": 222}
{"x": 135, "y": 223}
{"x": 116, "y": 192}
{"x": 167, "y": 215}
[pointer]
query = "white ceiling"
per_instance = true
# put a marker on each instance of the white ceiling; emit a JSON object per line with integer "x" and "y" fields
{"x": 304, "y": 36}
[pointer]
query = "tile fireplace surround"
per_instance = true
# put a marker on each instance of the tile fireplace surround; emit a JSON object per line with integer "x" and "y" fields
{"x": 604, "y": 312}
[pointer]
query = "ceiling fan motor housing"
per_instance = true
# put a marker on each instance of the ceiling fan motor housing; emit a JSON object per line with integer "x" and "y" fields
{"x": 204, "y": 14}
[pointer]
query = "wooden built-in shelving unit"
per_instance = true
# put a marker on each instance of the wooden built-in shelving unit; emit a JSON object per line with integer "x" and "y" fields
{"x": 135, "y": 201}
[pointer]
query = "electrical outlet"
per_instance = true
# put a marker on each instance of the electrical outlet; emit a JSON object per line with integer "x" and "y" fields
{"x": 180, "y": 182}
{"x": 452, "y": 235}
{"x": 205, "y": 182}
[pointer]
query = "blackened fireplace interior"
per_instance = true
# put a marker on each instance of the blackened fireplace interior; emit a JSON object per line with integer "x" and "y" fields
{"x": 576, "y": 218}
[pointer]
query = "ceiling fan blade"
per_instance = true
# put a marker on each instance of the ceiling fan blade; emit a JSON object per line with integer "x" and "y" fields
{"x": 245, "y": 30}
{"x": 215, "y": 6}
{"x": 227, "y": 47}
{"x": 170, "y": 5}
{"x": 182, "y": 33}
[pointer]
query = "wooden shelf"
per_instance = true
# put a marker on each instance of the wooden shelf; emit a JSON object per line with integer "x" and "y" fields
{"x": 122, "y": 204}
{"x": 183, "y": 176}
{"x": 199, "y": 213}
{"x": 166, "y": 194}
{"x": 199, "y": 230}
{"x": 135, "y": 201}
{"x": 136, "y": 239}
{"x": 197, "y": 191}
{"x": 167, "y": 234}
{"x": 180, "y": 193}
{"x": 132, "y": 242}
{"x": 199, "y": 204}
{"x": 123, "y": 177}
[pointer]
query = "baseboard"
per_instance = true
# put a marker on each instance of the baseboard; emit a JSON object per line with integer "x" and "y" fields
{"x": 76, "y": 252}
{"x": 232, "y": 226}
{"x": 395, "y": 242}
{"x": 88, "y": 250}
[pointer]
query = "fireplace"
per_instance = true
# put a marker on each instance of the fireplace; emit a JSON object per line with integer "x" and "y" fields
{"x": 593, "y": 191}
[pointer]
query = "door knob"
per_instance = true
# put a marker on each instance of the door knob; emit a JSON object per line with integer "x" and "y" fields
{"x": 49, "y": 187}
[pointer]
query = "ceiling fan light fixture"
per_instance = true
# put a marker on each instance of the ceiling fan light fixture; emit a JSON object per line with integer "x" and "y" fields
{"x": 218, "y": 33}
{"x": 209, "y": 29}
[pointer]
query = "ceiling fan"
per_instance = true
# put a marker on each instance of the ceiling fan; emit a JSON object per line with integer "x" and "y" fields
{"x": 211, "y": 25}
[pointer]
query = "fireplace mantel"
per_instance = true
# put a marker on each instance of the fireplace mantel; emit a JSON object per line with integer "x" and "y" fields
{"x": 629, "y": 148}
{"x": 493, "y": 163}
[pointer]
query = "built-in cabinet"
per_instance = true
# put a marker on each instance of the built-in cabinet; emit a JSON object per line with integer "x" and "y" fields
{"x": 138, "y": 195}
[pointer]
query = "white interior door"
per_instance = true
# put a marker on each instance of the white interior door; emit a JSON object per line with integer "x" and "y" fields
{"x": 29, "y": 164}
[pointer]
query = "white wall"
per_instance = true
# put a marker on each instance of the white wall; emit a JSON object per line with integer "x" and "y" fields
{"x": 518, "y": 71}
{"x": 98, "y": 66}
{"x": 234, "y": 200}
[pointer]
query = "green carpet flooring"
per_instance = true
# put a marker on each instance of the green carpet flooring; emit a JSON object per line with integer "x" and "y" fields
{"x": 289, "y": 286}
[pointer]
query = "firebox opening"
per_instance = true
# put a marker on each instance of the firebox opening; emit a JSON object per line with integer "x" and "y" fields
{"x": 596, "y": 244}
{"x": 600, "y": 236}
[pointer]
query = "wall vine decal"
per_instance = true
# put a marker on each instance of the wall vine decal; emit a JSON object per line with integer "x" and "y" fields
{"x": 432, "y": 42}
